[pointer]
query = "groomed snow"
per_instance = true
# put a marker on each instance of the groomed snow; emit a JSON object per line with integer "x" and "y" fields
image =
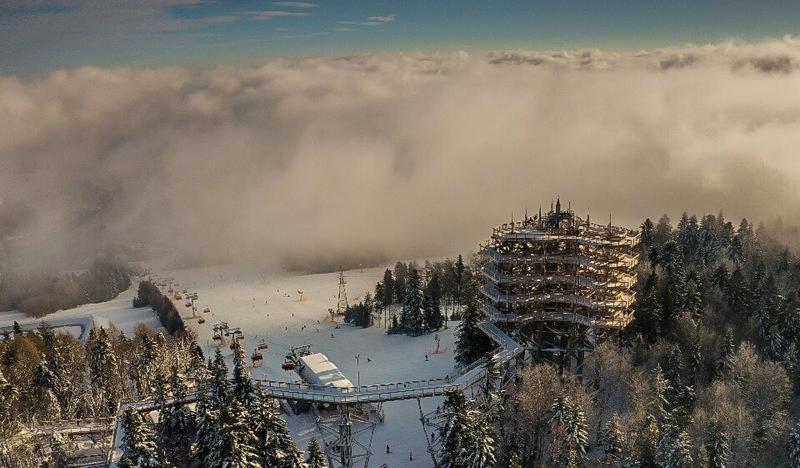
{"x": 77, "y": 321}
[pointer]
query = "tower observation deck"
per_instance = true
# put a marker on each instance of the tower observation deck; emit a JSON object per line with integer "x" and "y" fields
{"x": 560, "y": 281}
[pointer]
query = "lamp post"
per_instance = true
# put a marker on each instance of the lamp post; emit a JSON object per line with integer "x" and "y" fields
{"x": 358, "y": 370}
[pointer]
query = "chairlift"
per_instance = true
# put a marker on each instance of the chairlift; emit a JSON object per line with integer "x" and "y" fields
{"x": 201, "y": 320}
{"x": 188, "y": 304}
{"x": 217, "y": 337}
{"x": 206, "y": 310}
{"x": 256, "y": 356}
{"x": 288, "y": 365}
{"x": 263, "y": 345}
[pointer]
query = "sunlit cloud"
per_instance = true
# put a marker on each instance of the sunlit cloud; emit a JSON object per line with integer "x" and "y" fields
{"x": 401, "y": 155}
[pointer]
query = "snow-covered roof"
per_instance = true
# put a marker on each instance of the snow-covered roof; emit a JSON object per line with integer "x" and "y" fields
{"x": 317, "y": 369}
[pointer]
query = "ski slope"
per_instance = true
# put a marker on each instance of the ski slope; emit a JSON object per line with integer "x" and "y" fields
{"x": 79, "y": 320}
{"x": 267, "y": 309}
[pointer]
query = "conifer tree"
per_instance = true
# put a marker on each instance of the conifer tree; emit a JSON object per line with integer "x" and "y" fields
{"x": 218, "y": 371}
{"x": 431, "y": 303}
{"x": 138, "y": 442}
{"x": 613, "y": 438}
{"x": 471, "y": 342}
{"x": 176, "y": 426}
{"x": 569, "y": 421}
{"x": 726, "y": 353}
{"x": 411, "y": 318}
{"x": 273, "y": 442}
{"x": 674, "y": 449}
{"x": 793, "y": 447}
{"x": 243, "y": 389}
{"x": 466, "y": 435}
{"x": 315, "y": 458}
{"x": 646, "y": 442}
{"x": 103, "y": 370}
{"x": 717, "y": 446}
{"x": 9, "y": 396}
{"x": 648, "y": 234}
{"x": 647, "y": 310}
{"x": 233, "y": 442}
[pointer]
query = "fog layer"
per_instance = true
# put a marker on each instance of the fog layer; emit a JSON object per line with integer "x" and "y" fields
{"x": 390, "y": 155}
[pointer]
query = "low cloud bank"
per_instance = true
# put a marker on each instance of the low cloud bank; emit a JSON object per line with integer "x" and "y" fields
{"x": 390, "y": 156}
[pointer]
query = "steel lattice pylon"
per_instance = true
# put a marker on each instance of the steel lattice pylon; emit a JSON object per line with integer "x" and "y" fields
{"x": 341, "y": 434}
{"x": 341, "y": 305}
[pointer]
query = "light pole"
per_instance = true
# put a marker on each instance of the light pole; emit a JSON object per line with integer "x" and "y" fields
{"x": 358, "y": 370}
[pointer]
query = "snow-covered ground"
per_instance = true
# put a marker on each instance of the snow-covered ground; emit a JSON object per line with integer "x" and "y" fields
{"x": 267, "y": 309}
{"x": 77, "y": 321}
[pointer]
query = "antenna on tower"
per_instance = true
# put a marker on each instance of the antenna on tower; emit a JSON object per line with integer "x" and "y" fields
{"x": 341, "y": 306}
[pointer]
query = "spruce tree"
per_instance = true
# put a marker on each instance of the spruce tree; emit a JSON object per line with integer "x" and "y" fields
{"x": 138, "y": 442}
{"x": 315, "y": 458}
{"x": 431, "y": 303}
{"x": 273, "y": 442}
{"x": 103, "y": 370}
{"x": 569, "y": 421}
{"x": 411, "y": 318}
{"x": 674, "y": 449}
{"x": 243, "y": 389}
{"x": 467, "y": 435}
{"x": 793, "y": 448}
{"x": 233, "y": 442}
{"x": 471, "y": 342}
{"x": 717, "y": 446}
{"x": 613, "y": 439}
{"x": 9, "y": 396}
{"x": 176, "y": 425}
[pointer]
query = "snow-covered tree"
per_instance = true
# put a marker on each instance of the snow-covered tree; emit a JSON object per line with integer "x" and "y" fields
{"x": 8, "y": 399}
{"x": 103, "y": 368}
{"x": 431, "y": 303}
{"x": 233, "y": 443}
{"x": 675, "y": 449}
{"x": 243, "y": 389}
{"x": 793, "y": 448}
{"x": 314, "y": 456}
{"x": 613, "y": 438}
{"x": 467, "y": 436}
{"x": 568, "y": 423}
{"x": 218, "y": 375}
{"x": 411, "y": 318}
{"x": 716, "y": 446}
{"x": 138, "y": 442}
{"x": 273, "y": 443}
{"x": 176, "y": 425}
{"x": 471, "y": 342}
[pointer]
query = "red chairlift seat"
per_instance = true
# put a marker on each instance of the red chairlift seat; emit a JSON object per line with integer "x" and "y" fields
{"x": 288, "y": 365}
{"x": 217, "y": 337}
{"x": 206, "y": 310}
{"x": 263, "y": 346}
{"x": 201, "y": 320}
{"x": 257, "y": 356}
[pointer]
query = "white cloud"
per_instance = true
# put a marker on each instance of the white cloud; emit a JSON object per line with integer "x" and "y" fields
{"x": 383, "y": 19}
{"x": 404, "y": 155}
{"x": 371, "y": 21}
{"x": 270, "y": 14}
{"x": 296, "y": 4}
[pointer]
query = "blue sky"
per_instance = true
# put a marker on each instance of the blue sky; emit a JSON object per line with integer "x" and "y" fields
{"x": 42, "y": 35}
